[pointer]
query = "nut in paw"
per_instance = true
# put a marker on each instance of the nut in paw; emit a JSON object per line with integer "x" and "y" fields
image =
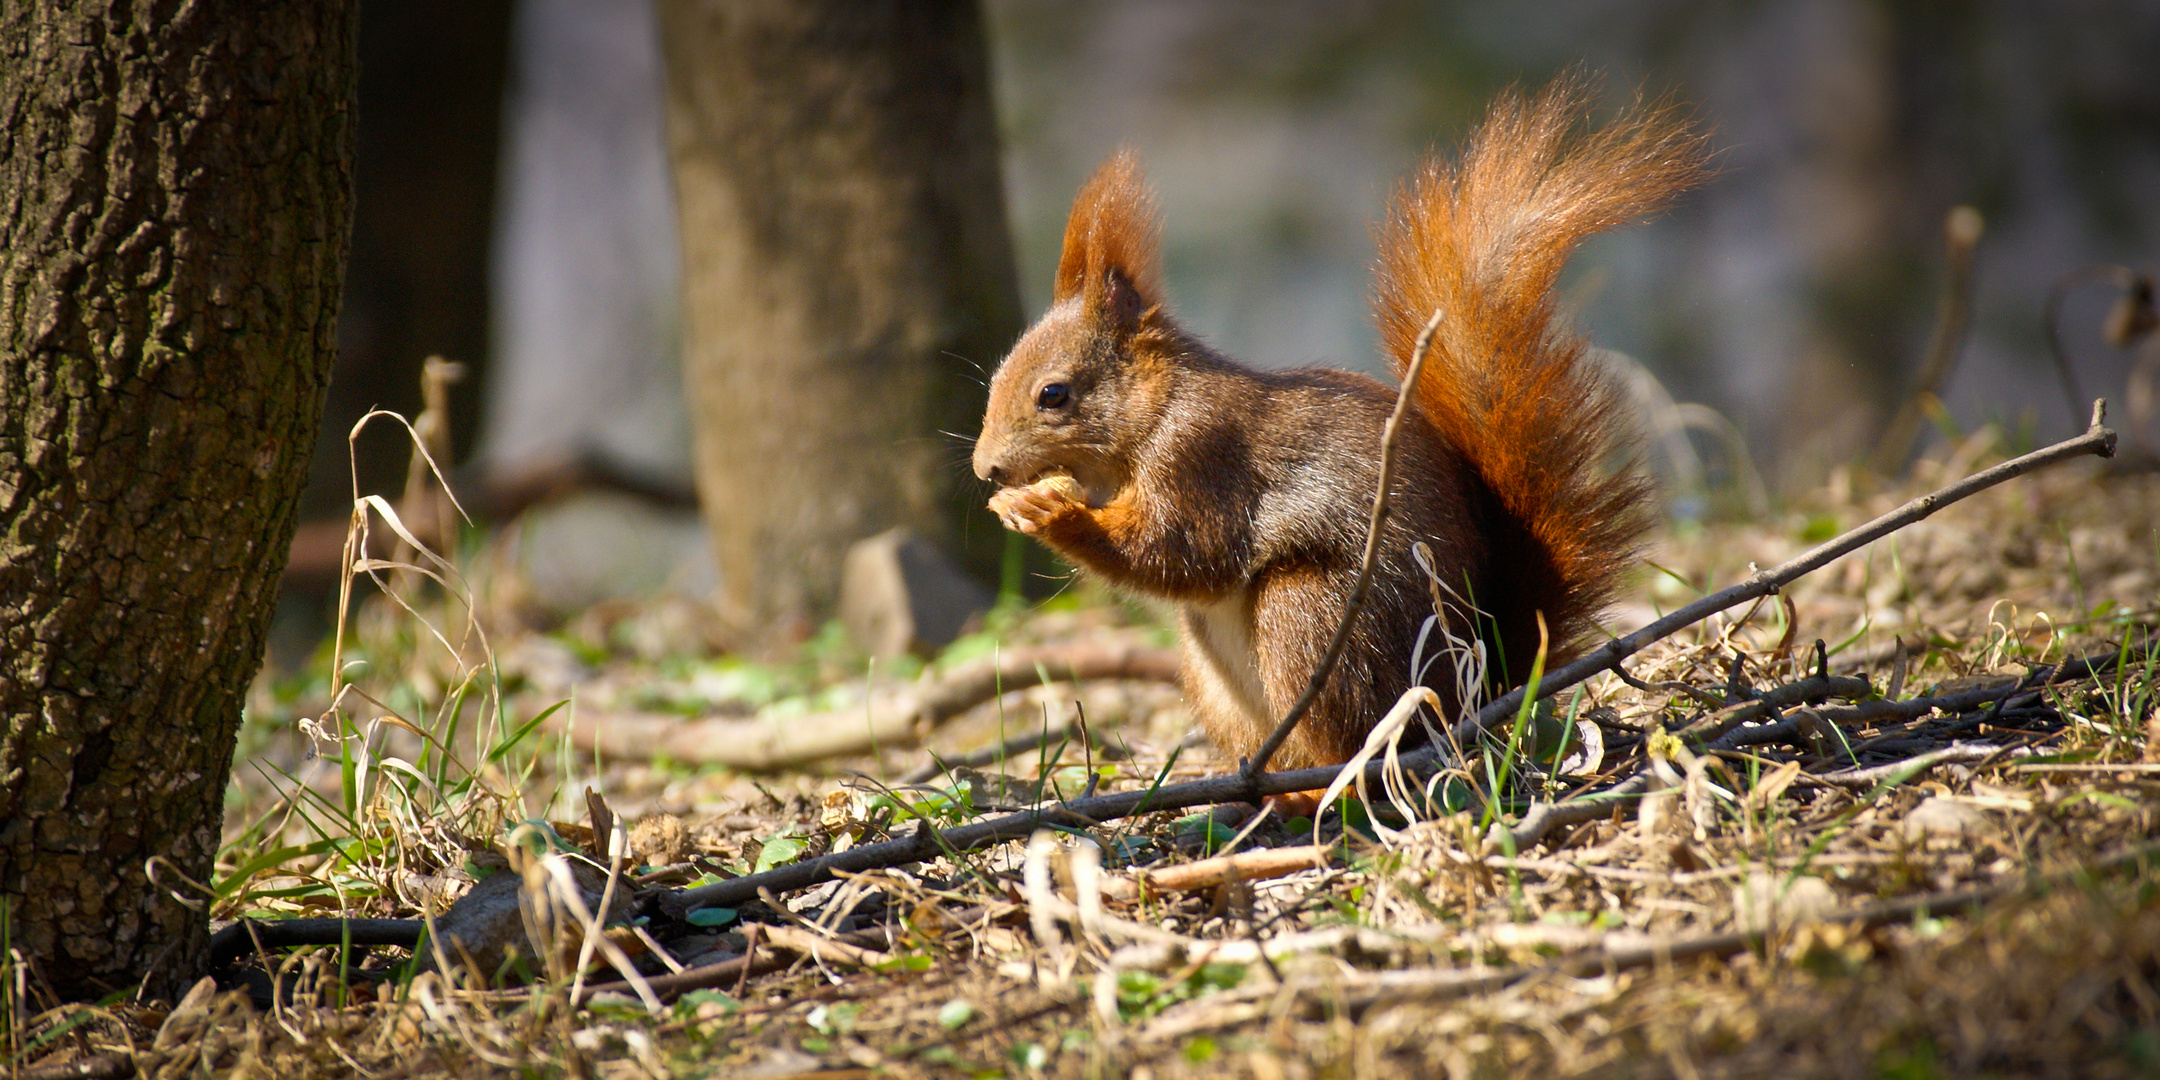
{"x": 1028, "y": 509}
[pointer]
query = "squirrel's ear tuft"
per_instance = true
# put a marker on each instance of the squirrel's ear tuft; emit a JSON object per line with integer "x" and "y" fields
{"x": 1110, "y": 241}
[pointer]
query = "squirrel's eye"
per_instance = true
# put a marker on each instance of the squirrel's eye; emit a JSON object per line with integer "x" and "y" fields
{"x": 1053, "y": 396}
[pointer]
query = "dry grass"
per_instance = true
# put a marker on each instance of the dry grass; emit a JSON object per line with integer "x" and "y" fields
{"x": 1425, "y": 949}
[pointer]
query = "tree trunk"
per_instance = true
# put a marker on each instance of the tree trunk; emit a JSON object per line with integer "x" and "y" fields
{"x": 174, "y": 193}
{"x": 847, "y": 277}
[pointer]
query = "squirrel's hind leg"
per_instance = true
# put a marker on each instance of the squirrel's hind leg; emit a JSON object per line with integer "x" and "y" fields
{"x": 1294, "y": 614}
{"x": 1221, "y": 673}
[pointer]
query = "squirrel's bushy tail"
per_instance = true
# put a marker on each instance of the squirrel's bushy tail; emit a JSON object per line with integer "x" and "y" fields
{"x": 1483, "y": 240}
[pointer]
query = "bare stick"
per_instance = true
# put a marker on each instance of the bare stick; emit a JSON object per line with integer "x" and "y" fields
{"x": 1257, "y": 764}
{"x": 1011, "y": 748}
{"x": 2097, "y": 441}
{"x": 2121, "y": 277}
{"x": 903, "y": 717}
{"x": 1545, "y": 817}
{"x": 1814, "y": 688}
{"x": 1256, "y": 865}
{"x": 1961, "y": 237}
{"x": 1864, "y": 779}
{"x": 926, "y": 843}
{"x": 234, "y": 941}
{"x": 755, "y": 961}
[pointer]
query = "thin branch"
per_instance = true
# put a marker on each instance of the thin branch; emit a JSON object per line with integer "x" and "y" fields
{"x": 2121, "y": 277}
{"x": 1082, "y": 813}
{"x": 1545, "y": 817}
{"x": 242, "y": 936}
{"x": 1961, "y": 238}
{"x": 1011, "y": 748}
{"x": 1257, "y": 764}
{"x": 899, "y": 718}
{"x": 1913, "y": 708}
{"x": 2098, "y": 441}
{"x": 1701, "y": 695}
{"x": 1867, "y": 778}
{"x": 1808, "y": 691}
{"x": 1257, "y": 865}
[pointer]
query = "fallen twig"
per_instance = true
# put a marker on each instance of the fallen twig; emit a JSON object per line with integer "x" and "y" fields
{"x": 1961, "y": 238}
{"x": 1912, "y": 708}
{"x": 925, "y": 842}
{"x": 1013, "y": 747}
{"x": 1084, "y": 813}
{"x": 2098, "y": 440}
{"x": 1808, "y": 691}
{"x": 1667, "y": 686}
{"x": 900, "y": 719}
{"x": 1257, "y": 865}
{"x": 821, "y": 949}
{"x": 1864, "y": 779}
{"x": 1544, "y": 817}
{"x": 241, "y": 936}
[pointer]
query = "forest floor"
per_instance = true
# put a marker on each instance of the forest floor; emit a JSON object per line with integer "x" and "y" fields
{"x": 1929, "y": 851}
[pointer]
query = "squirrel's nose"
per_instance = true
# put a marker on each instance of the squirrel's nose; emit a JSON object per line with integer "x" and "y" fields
{"x": 985, "y": 463}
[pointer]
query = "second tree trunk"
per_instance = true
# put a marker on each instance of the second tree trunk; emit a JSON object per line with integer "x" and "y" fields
{"x": 847, "y": 277}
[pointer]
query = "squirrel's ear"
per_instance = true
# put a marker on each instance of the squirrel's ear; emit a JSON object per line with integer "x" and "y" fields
{"x": 1110, "y": 242}
{"x": 1118, "y": 300}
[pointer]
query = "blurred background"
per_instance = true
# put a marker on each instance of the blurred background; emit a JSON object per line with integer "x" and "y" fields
{"x": 518, "y": 215}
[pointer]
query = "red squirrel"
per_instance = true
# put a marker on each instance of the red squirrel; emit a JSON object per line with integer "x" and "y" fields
{"x": 1241, "y": 496}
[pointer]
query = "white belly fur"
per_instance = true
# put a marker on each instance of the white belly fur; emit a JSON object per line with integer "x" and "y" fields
{"x": 1220, "y": 647}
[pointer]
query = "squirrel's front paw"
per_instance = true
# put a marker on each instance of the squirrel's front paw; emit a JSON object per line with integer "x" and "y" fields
{"x": 1028, "y": 509}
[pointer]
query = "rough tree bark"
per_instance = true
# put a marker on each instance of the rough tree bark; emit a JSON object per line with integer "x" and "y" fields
{"x": 174, "y": 192}
{"x": 846, "y": 267}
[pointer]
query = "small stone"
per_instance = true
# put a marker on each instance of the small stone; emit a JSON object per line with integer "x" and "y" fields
{"x": 659, "y": 840}
{"x": 899, "y": 594}
{"x": 1939, "y": 816}
{"x": 782, "y": 1062}
{"x": 188, "y": 1018}
{"x": 487, "y": 924}
{"x": 1765, "y": 901}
